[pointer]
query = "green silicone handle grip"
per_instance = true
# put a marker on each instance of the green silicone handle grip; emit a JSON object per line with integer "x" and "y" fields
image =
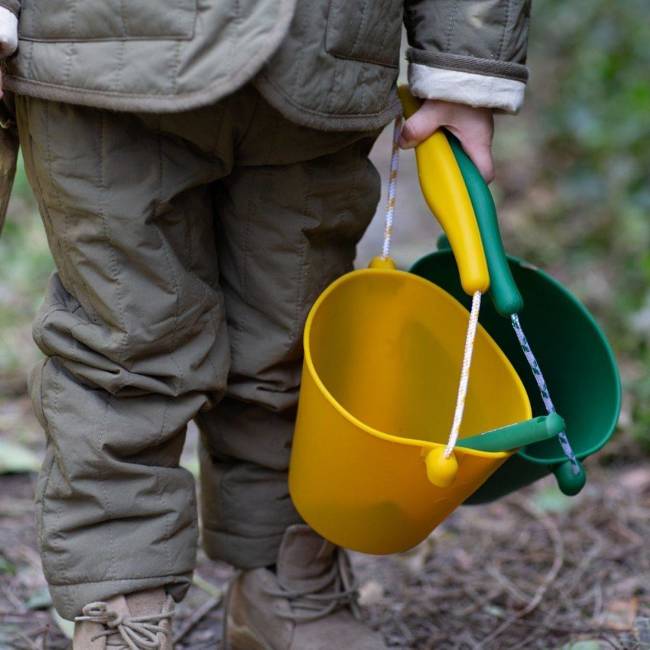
{"x": 505, "y": 295}
{"x": 516, "y": 435}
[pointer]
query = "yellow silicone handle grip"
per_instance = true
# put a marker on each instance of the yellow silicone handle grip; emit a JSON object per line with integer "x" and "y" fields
{"x": 446, "y": 195}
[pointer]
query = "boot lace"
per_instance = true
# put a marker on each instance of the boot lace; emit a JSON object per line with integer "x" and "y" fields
{"x": 126, "y": 632}
{"x": 333, "y": 591}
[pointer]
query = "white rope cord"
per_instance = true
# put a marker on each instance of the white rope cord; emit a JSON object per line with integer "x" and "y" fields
{"x": 392, "y": 187}
{"x": 476, "y": 298}
{"x": 464, "y": 374}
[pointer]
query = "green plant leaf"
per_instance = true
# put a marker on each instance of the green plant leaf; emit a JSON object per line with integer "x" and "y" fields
{"x": 40, "y": 599}
{"x": 17, "y": 459}
{"x": 588, "y": 644}
{"x": 7, "y": 567}
{"x": 550, "y": 499}
{"x": 67, "y": 627}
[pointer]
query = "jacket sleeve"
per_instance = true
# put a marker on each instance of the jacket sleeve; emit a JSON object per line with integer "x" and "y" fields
{"x": 469, "y": 51}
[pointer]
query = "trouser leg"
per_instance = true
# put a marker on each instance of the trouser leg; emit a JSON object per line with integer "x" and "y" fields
{"x": 134, "y": 338}
{"x": 290, "y": 215}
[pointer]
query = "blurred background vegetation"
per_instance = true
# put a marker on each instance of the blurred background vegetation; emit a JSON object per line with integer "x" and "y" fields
{"x": 573, "y": 189}
{"x": 575, "y": 173}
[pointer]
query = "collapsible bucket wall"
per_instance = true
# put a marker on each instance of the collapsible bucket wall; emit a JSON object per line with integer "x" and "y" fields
{"x": 383, "y": 351}
{"x": 572, "y": 351}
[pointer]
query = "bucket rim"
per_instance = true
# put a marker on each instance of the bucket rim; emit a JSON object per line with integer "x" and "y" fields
{"x": 609, "y": 354}
{"x": 382, "y": 435}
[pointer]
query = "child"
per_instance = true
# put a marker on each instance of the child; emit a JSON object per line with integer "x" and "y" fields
{"x": 202, "y": 172}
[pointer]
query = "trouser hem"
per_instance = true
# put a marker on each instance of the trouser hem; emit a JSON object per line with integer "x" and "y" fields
{"x": 242, "y": 552}
{"x": 70, "y": 599}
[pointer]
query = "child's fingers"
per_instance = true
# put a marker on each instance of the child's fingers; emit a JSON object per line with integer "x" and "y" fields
{"x": 481, "y": 154}
{"x": 472, "y": 126}
{"x": 420, "y": 125}
{"x": 475, "y": 133}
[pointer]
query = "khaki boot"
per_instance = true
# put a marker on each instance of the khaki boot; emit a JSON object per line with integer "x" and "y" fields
{"x": 308, "y": 604}
{"x": 139, "y": 621}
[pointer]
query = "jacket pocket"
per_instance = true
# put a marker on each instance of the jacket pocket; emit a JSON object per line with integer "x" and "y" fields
{"x": 365, "y": 30}
{"x": 107, "y": 20}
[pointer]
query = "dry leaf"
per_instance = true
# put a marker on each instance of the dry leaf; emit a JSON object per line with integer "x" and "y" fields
{"x": 620, "y": 614}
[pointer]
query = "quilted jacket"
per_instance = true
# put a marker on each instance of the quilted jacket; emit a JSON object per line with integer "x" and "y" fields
{"x": 330, "y": 64}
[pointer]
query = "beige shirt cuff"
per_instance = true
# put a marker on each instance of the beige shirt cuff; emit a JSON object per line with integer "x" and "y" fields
{"x": 468, "y": 88}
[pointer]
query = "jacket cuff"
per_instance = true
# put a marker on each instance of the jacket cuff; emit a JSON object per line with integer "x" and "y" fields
{"x": 463, "y": 63}
{"x": 8, "y": 33}
{"x": 11, "y": 5}
{"x": 473, "y": 89}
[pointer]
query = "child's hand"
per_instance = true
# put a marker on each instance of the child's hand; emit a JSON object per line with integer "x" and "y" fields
{"x": 474, "y": 128}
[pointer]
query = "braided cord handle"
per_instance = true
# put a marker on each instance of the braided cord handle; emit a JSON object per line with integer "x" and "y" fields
{"x": 392, "y": 189}
{"x": 543, "y": 389}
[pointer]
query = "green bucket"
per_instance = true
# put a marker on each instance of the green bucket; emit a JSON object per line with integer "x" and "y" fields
{"x": 571, "y": 349}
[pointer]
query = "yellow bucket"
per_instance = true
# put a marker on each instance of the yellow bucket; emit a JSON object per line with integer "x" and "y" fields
{"x": 383, "y": 351}
{"x": 371, "y": 467}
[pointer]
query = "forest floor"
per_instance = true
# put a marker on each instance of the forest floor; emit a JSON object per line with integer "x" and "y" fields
{"x": 534, "y": 570}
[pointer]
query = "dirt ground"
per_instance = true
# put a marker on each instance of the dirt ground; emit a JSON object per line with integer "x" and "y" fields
{"x": 535, "y": 570}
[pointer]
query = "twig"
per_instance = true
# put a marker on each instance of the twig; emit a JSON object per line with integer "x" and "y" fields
{"x": 208, "y": 587}
{"x": 30, "y": 644}
{"x": 558, "y": 560}
{"x": 196, "y": 617}
{"x": 13, "y": 600}
{"x": 512, "y": 589}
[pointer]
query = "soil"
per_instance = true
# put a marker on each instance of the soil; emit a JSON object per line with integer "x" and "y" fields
{"x": 533, "y": 570}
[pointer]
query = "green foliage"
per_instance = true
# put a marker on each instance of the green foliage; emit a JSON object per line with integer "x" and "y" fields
{"x": 6, "y": 567}
{"x": 16, "y": 458}
{"x": 581, "y": 207}
{"x": 25, "y": 264}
